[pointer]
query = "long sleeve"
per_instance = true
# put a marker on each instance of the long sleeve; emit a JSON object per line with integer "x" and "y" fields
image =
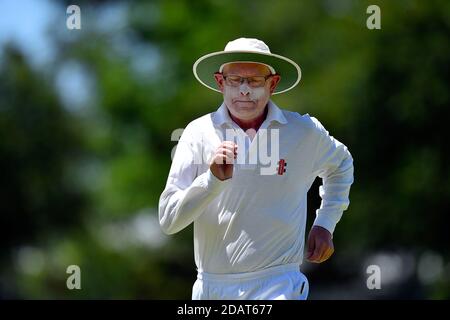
{"x": 334, "y": 164}
{"x": 186, "y": 195}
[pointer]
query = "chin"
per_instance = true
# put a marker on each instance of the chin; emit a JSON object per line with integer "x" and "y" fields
{"x": 246, "y": 112}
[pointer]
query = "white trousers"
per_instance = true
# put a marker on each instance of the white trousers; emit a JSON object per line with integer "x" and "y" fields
{"x": 284, "y": 282}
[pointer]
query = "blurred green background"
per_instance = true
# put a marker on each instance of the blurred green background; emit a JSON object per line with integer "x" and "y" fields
{"x": 86, "y": 118}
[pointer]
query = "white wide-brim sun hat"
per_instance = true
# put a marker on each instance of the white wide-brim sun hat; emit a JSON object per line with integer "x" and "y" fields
{"x": 247, "y": 50}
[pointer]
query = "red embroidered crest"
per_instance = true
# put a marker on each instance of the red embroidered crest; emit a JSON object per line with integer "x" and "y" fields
{"x": 282, "y": 167}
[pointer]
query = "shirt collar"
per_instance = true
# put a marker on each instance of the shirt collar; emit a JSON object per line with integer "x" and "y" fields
{"x": 274, "y": 113}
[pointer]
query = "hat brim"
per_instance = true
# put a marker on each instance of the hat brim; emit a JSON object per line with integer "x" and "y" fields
{"x": 205, "y": 67}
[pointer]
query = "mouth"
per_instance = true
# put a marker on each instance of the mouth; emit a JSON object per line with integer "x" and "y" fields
{"x": 244, "y": 101}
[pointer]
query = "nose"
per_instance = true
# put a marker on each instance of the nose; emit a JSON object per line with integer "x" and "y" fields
{"x": 244, "y": 89}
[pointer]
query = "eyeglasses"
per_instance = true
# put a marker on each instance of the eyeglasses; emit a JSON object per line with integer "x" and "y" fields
{"x": 254, "y": 82}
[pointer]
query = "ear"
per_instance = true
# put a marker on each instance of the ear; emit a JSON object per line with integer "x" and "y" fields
{"x": 219, "y": 80}
{"x": 273, "y": 84}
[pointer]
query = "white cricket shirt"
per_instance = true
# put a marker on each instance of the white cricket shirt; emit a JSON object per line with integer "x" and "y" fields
{"x": 257, "y": 218}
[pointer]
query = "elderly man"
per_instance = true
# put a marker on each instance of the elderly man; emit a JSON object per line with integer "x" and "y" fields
{"x": 249, "y": 214}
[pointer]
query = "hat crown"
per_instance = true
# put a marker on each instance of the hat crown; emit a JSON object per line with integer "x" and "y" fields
{"x": 247, "y": 44}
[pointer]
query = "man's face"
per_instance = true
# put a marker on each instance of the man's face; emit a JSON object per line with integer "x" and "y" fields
{"x": 246, "y": 101}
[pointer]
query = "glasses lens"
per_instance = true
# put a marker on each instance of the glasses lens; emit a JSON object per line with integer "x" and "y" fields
{"x": 256, "y": 81}
{"x": 233, "y": 80}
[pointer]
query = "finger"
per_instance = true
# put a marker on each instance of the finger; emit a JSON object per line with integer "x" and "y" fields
{"x": 226, "y": 152}
{"x": 322, "y": 254}
{"x": 326, "y": 253}
{"x": 329, "y": 252}
{"x": 231, "y": 149}
{"x": 315, "y": 255}
{"x": 229, "y": 144}
{"x": 318, "y": 252}
{"x": 320, "y": 249}
{"x": 221, "y": 158}
{"x": 311, "y": 246}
